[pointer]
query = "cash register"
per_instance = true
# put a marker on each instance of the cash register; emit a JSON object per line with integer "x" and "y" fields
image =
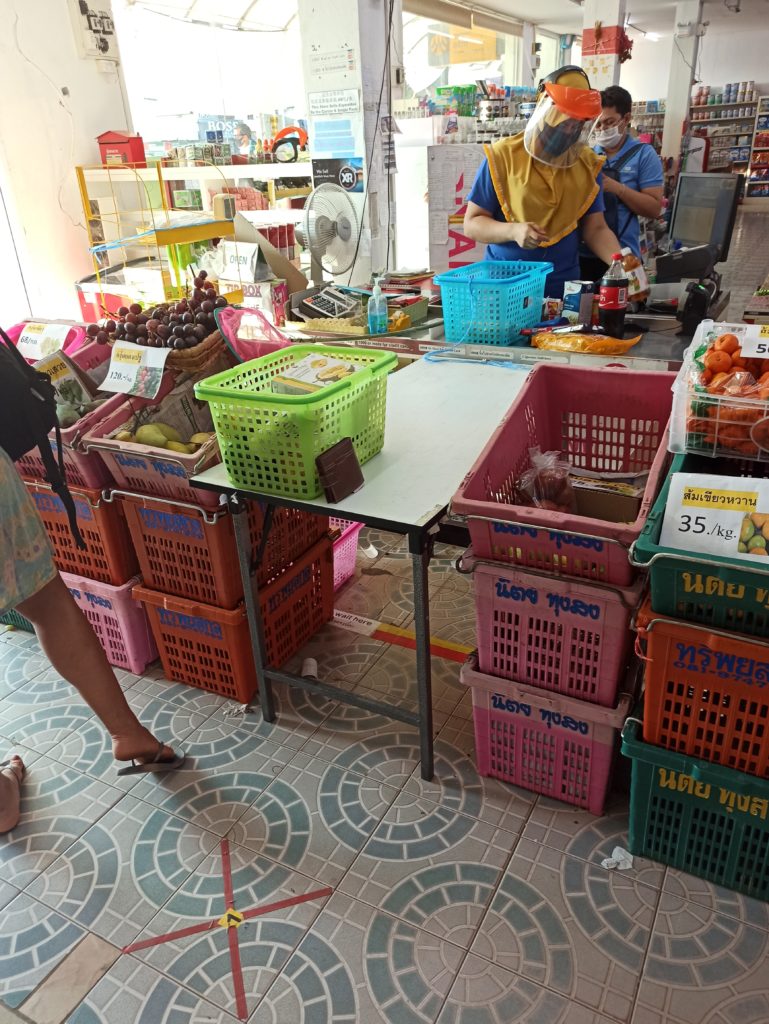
{"x": 701, "y": 225}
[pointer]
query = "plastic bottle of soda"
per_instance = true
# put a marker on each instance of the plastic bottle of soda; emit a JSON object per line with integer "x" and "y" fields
{"x": 612, "y": 298}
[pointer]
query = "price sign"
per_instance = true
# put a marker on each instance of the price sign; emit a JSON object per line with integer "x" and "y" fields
{"x": 721, "y": 515}
{"x": 135, "y": 369}
{"x": 755, "y": 342}
{"x": 38, "y": 340}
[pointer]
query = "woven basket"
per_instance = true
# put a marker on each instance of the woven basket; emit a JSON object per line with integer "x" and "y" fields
{"x": 194, "y": 359}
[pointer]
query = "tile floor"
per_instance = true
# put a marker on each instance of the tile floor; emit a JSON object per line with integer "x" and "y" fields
{"x": 458, "y": 901}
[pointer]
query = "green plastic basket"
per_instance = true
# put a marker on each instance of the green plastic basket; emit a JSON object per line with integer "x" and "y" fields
{"x": 269, "y": 442}
{"x": 13, "y": 618}
{"x": 712, "y": 590}
{"x": 699, "y": 817}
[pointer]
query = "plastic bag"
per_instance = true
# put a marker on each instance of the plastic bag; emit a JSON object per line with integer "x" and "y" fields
{"x": 248, "y": 333}
{"x": 591, "y": 344}
{"x": 547, "y": 484}
{"x": 719, "y": 368}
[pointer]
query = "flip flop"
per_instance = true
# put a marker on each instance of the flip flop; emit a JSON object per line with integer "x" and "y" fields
{"x": 9, "y": 764}
{"x": 155, "y": 765}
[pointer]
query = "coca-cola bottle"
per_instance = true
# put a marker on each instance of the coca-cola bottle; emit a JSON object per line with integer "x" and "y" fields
{"x": 612, "y": 298}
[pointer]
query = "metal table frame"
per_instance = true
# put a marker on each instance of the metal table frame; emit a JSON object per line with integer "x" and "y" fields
{"x": 439, "y": 416}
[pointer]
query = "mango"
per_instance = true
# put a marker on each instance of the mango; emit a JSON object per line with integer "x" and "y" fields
{"x": 742, "y": 548}
{"x": 756, "y": 542}
{"x": 747, "y": 530}
{"x": 124, "y": 435}
{"x": 179, "y": 446}
{"x": 170, "y": 433}
{"x": 150, "y": 435}
{"x": 200, "y": 438}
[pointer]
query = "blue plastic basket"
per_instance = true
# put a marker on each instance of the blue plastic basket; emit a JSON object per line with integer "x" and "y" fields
{"x": 491, "y": 302}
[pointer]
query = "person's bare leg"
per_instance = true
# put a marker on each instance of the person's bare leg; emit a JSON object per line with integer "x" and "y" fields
{"x": 75, "y": 652}
{"x": 10, "y": 793}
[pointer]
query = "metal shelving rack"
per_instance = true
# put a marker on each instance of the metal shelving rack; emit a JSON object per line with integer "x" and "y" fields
{"x": 757, "y": 184}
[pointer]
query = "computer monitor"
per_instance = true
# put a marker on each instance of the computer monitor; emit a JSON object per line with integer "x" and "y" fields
{"x": 704, "y": 210}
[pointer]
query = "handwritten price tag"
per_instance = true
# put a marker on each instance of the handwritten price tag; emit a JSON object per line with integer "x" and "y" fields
{"x": 39, "y": 340}
{"x": 755, "y": 342}
{"x": 135, "y": 369}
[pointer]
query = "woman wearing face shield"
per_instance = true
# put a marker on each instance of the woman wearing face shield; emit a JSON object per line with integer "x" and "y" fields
{"x": 538, "y": 192}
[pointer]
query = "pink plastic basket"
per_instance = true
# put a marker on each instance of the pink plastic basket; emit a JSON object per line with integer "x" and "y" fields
{"x": 554, "y": 745}
{"x": 604, "y": 420}
{"x": 345, "y": 549}
{"x": 119, "y": 621}
{"x": 569, "y": 636}
{"x": 83, "y": 469}
{"x": 228, "y": 320}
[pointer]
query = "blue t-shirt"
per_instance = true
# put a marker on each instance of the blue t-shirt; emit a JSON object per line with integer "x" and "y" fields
{"x": 564, "y": 255}
{"x": 642, "y": 170}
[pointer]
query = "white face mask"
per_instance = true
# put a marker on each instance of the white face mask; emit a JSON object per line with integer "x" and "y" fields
{"x": 608, "y": 137}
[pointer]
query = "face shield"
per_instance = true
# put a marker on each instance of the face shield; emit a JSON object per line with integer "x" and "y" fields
{"x": 561, "y": 124}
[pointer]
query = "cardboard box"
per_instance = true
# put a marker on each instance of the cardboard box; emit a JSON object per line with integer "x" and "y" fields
{"x": 612, "y": 501}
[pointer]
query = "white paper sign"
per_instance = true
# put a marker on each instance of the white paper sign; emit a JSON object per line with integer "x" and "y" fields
{"x": 334, "y": 101}
{"x": 38, "y": 340}
{"x": 720, "y": 515}
{"x": 135, "y": 369}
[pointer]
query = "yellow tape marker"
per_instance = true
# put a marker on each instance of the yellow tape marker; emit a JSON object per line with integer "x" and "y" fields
{"x": 232, "y": 919}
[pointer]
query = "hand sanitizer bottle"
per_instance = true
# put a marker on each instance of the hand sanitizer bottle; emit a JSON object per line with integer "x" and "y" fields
{"x": 377, "y": 310}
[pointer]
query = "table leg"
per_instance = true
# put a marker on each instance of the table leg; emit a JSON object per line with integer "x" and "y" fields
{"x": 251, "y": 599}
{"x": 420, "y": 561}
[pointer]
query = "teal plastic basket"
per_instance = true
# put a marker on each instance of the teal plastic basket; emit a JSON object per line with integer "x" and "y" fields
{"x": 490, "y": 303}
{"x": 13, "y": 618}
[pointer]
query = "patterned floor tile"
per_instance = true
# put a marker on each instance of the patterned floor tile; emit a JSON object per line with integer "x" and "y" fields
{"x": 19, "y": 664}
{"x": 384, "y": 592}
{"x": 485, "y": 993}
{"x": 570, "y": 925}
{"x": 202, "y": 962}
{"x": 200, "y": 701}
{"x": 133, "y": 993}
{"x": 431, "y": 866}
{"x": 393, "y": 678}
{"x": 315, "y": 818}
{"x": 58, "y": 805}
{"x": 452, "y": 615}
{"x": 458, "y": 785}
{"x": 42, "y": 728}
{"x": 716, "y": 898}
{"x": 47, "y": 688}
{"x": 360, "y": 966}
{"x": 33, "y": 940}
{"x": 224, "y": 772}
{"x": 703, "y": 968}
{"x": 116, "y": 877}
{"x": 579, "y": 834}
{"x": 343, "y": 657}
{"x": 19, "y": 638}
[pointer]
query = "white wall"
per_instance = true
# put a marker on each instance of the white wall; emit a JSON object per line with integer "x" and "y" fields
{"x": 43, "y": 135}
{"x": 725, "y": 56}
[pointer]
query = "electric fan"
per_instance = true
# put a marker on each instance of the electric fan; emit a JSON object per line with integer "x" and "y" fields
{"x": 329, "y": 230}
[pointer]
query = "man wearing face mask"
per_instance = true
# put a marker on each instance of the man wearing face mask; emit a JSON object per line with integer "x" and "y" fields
{"x": 537, "y": 192}
{"x": 632, "y": 177}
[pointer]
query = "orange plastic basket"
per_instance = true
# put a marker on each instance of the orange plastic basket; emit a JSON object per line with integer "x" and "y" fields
{"x": 190, "y": 551}
{"x": 109, "y": 556}
{"x": 210, "y": 647}
{"x": 705, "y": 693}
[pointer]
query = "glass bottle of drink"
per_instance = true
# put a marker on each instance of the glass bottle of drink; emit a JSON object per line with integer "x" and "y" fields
{"x": 612, "y": 298}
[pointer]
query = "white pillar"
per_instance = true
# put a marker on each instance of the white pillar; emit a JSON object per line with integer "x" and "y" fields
{"x": 683, "y": 61}
{"x": 602, "y": 23}
{"x": 344, "y": 49}
{"x": 530, "y": 63}
{"x": 57, "y": 100}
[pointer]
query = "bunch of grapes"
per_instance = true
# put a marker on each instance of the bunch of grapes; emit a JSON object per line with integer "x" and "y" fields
{"x": 178, "y": 325}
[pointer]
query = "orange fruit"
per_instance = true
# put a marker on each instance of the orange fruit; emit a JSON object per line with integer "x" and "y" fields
{"x": 719, "y": 379}
{"x": 726, "y": 343}
{"x": 717, "y": 362}
{"x": 706, "y": 377}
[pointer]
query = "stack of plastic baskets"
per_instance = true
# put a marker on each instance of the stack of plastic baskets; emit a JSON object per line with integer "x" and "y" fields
{"x": 555, "y": 593}
{"x": 700, "y": 757}
{"x": 345, "y": 549}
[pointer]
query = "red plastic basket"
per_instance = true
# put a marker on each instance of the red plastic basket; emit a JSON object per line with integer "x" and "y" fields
{"x": 118, "y": 620}
{"x": 606, "y": 421}
{"x": 569, "y": 636}
{"x": 83, "y": 469}
{"x": 109, "y": 556}
{"x": 345, "y": 550}
{"x": 190, "y": 551}
{"x": 210, "y": 647}
{"x": 554, "y": 745}
{"x": 705, "y": 693}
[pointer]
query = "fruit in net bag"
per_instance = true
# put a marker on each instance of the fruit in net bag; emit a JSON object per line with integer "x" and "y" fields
{"x": 547, "y": 483}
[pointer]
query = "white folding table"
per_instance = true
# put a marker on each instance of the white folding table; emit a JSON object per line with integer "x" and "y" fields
{"x": 439, "y": 417}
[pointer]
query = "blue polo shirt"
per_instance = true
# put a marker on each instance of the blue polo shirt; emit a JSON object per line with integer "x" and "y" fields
{"x": 642, "y": 170}
{"x": 564, "y": 255}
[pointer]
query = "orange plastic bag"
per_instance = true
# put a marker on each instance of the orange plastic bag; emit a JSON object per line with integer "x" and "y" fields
{"x": 590, "y": 344}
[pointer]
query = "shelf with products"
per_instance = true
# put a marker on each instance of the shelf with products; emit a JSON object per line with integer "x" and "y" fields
{"x": 757, "y": 183}
{"x": 719, "y": 106}
{"x": 724, "y": 120}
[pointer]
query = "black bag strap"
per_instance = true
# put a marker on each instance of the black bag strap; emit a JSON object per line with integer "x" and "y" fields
{"x": 615, "y": 169}
{"x": 624, "y": 158}
{"x": 55, "y": 472}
